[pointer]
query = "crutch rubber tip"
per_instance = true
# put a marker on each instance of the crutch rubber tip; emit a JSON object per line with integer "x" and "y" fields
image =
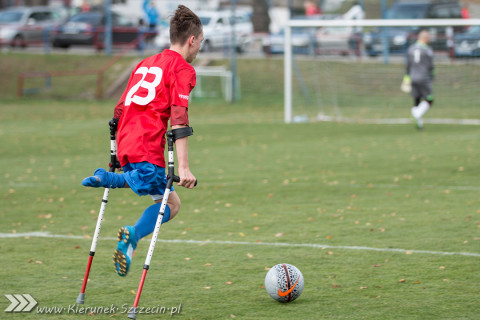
{"x": 132, "y": 314}
{"x": 81, "y": 298}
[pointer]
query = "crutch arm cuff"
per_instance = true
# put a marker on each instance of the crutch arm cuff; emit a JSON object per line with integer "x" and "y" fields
{"x": 182, "y": 132}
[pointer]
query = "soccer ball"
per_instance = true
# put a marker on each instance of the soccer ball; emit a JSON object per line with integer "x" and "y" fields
{"x": 284, "y": 282}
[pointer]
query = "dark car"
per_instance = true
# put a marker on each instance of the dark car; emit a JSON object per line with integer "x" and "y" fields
{"x": 467, "y": 44}
{"x": 88, "y": 28}
{"x": 399, "y": 38}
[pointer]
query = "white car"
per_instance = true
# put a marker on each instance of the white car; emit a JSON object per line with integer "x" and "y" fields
{"x": 217, "y": 30}
{"x": 337, "y": 40}
{"x": 303, "y": 41}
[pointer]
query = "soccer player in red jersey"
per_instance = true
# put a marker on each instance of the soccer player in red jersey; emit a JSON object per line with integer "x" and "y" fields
{"x": 158, "y": 91}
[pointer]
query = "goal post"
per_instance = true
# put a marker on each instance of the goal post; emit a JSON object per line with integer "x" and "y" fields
{"x": 363, "y": 85}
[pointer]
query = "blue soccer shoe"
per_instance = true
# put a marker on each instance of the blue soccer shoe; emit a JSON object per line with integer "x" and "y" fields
{"x": 127, "y": 243}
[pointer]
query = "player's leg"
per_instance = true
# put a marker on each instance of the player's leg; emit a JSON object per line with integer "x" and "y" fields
{"x": 427, "y": 100}
{"x": 144, "y": 178}
{"x": 420, "y": 92}
{"x": 415, "y": 93}
{"x": 146, "y": 224}
{"x": 425, "y": 105}
{"x": 128, "y": 236}
{"x": 103, "y": 178}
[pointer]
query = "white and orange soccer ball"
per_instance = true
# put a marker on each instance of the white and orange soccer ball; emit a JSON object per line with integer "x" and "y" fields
{"x": 284, "y": 282}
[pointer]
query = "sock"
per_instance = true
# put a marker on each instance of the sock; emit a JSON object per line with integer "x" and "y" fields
{"x": 102, "y": 178}
{"x": 414, "y": 112}
{"x": 422, "y": 108}
{"x": 146, "y": 224}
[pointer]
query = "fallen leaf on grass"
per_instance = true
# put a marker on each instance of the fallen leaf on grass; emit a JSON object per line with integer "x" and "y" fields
{"x": 229, "y": 282}
{"x": 401, "y": 281}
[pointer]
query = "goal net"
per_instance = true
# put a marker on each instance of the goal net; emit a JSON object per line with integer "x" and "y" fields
{"x": 351, "y": 70}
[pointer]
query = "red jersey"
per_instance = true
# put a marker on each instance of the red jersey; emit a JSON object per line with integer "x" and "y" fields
{"x": 157, "y": 84}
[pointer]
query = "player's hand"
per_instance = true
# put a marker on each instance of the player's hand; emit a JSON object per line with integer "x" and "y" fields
{"x": 187, "y": 179}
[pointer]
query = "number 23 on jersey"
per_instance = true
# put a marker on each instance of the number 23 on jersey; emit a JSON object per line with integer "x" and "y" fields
{"x": 150, "y": 86}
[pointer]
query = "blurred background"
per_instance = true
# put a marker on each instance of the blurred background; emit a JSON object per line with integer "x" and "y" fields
{"x": 117, "y": 33}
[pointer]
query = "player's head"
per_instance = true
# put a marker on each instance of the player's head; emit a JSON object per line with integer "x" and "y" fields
{"x": 186, "y": 29}
{"x": 424, "y": 36}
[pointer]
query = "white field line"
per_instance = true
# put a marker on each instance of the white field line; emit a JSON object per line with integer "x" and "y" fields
{"x": 271, "y": 244}
{"x": 326, "y": 118}
{"x": 379, "y": 185}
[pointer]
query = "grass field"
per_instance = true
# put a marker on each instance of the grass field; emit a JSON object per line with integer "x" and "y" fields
{"x": 383, "y": 221}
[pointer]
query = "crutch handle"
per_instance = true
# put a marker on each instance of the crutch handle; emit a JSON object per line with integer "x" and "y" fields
{"x": 177, "y": 180}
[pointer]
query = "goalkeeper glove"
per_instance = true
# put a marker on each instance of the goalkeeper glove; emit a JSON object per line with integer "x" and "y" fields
{"x": 406, "y": 84}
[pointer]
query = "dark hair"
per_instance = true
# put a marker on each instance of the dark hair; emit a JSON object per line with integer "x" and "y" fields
{"x": 184, "y": 23}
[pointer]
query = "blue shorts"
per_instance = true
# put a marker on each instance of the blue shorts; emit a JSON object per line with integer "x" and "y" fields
{"x": 145, "y": 178}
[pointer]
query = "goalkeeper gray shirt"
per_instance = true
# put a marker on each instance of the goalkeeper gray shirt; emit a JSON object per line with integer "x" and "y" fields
{"x": 420, "y": 63}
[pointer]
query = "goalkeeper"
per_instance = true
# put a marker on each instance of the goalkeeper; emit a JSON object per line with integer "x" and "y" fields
{"x": 158, "y": 91}
{"x": 419, "y": 74}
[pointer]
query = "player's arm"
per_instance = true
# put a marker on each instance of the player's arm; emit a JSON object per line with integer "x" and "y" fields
{"x": 407, "y": 63}
{"x": 179, "y": 119}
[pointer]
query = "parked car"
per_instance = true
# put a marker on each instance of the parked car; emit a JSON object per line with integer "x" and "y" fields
{"x": 467, "y": 44}
{"x": 88, "y": 28}
{"x": 217, "y": 29}
{"x": 23, "y": 26}
{"x": 337, "y": 40}
{"x": 303, "y": 41}
{"x": 399, "y": 38}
